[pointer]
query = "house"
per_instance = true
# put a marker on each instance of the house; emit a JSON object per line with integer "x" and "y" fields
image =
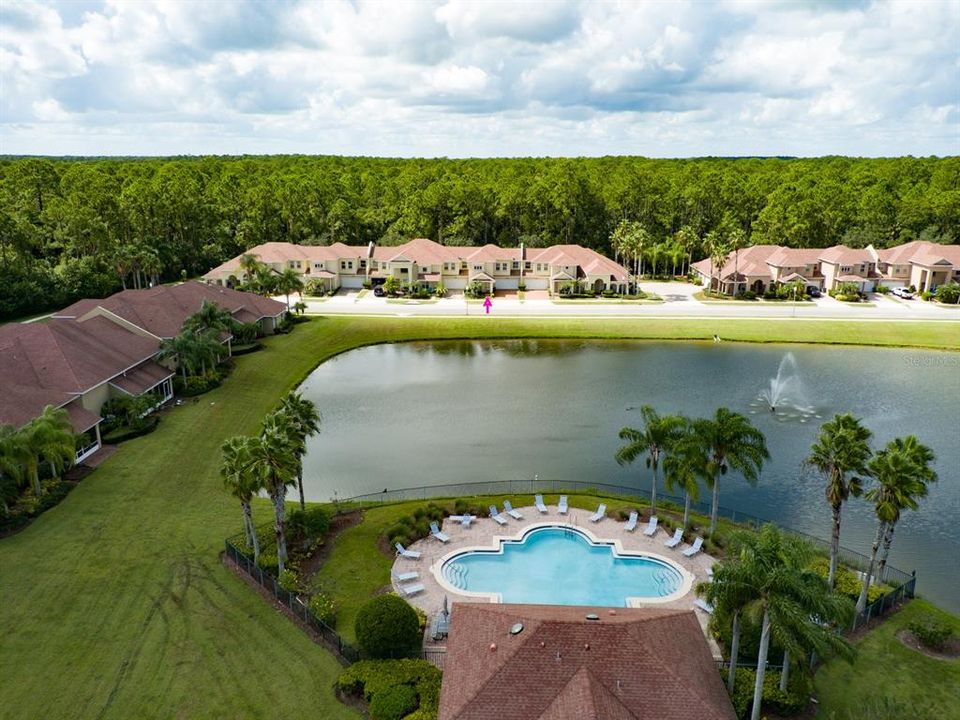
{"x": 742, "y": 271}
{"x": 922, "y": 264}
{"x": 788, "y": 265}
{"x": 98, "y": 349}
{"x": 525, "y": 662}
{"x": 841, "y": 264}
{"x": 424, "y": 261}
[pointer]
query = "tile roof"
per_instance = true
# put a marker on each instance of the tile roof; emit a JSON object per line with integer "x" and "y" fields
{"x": 921, "y": 252}
{"x": 637, "y": 663}
{"x": 750, "y": 262}
{"x": 841, "y": 254}
{"x": 162, "y": 310}
{"x": 794, "y": 257}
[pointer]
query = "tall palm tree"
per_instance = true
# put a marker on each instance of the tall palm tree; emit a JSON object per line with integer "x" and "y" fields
{"x": 179, "y": 349}
{"x": 272, "y": 456}
{"x": 654, "y": 439}
{"x": 253, "y": 271}
{"x": 687, "y": 239}
{"x": 243, "y": 482}
{"x": 684, "y": 466}
{"x": 736, "y": 239}
{"x": 840, "y": 453}
{"x": 209, "y": 317}
{"x": 922, "y": 457}
{"x": 49, "y": 438}
{"x": 791, "y": 602}
{"x": 729, "y": 440}
{"x": 902, "y": 477}
{"x": 717, "y": 252}
{"x": 304, "y": 419}
{"x": 287, "y": 282}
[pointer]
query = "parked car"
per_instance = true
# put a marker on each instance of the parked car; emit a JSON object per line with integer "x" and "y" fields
{"x": 378, "y": 291}
{"x": 902, "y": 292}
{"x": 813, "y": 292}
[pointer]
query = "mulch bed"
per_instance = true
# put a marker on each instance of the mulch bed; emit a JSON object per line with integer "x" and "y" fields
{"x": 950, "y": 651}
{"x": 338, "y": 524}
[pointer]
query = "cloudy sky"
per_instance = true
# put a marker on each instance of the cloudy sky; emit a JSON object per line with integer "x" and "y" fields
{"x": 466, "y": 78}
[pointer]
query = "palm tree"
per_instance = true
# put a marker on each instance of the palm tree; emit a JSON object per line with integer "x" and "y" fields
{"x": 209, "y": 317}
{"x": 923, "y": 458}
{"x": 840, "y": 454}
{"x": 736, "y": 239}
{"x": 240, "y": 478}
{"x": 684, "y": 466}
{"x": 300, "y": 307}
{"x": 304, "y": 419}
{"x": 253, "y": 271}
{"x": 272, "y": 456}
{"x": 654, "y": 440}
{"x": 729, "y": 592}
{"x": 287, "y": 282}
{"x": 902, "y": 472}
{"x": 792, "y": 602}
{"x": 11, "y": 457}
{"x": 50, "y": 438}
{"x": 728, "y": 439}
{"x": 686, "y": 239}
{"x": 179, "y": 349}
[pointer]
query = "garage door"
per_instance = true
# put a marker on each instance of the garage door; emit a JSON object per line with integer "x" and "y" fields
{"x": 351, "y": 281}
{"x": 506, "y": 283}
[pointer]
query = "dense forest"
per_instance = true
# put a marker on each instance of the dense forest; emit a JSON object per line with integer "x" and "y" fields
{"x": 86, "y": 227}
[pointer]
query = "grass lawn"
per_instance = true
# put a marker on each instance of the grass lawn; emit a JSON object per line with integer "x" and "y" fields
{"x": 114, "y": 604}
{"x": 889, "y": 681}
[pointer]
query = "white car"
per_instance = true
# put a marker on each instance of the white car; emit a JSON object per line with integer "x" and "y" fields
{"x": 902, "y": 292}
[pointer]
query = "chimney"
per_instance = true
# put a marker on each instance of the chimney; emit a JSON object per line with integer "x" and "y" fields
{"x": 370, "y": 249}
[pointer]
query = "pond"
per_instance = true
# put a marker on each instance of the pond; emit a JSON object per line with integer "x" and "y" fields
{"x": 398, "y": 416}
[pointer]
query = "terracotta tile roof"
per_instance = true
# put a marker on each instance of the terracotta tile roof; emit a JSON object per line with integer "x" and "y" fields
{"x": 162, "y": 310}
{"x": 638, "y": 663}
{"x": 423, "y": 252}
{"x": 843, "y": 255}
{"x": 921, "y": 252}
{"x": 794, "y": 257}
{"x": 280, "y": 253}
{"x": 751, "y": 262}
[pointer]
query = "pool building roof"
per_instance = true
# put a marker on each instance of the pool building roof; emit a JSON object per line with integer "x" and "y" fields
{"x": 636, "y": 663}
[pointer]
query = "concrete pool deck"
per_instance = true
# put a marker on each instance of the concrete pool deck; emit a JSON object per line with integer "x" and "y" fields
{"x": 484, "y": 532}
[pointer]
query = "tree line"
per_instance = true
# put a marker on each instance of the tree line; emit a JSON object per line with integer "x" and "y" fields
{"x": 87, "y": 227}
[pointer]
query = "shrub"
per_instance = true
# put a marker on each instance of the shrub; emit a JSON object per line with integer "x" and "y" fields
{"x": 393, "y": 703}
{"x": 783, "y": 704}
{"x": 368, "y": 678}
{"x": 367, "y": 285}
{"x": 289, "y": 580}
{"x": 882, "y": 290}
{"x": 949, "y": 293}
{"x": 931, "y": 632}
{"x": 387, "y": 627}
{"x": 311, "y": 524}
{"x": 323, "y": 607}
{"x": 742, "y": 697}
{"x": 926, "y": 295}
{"x": 846, "y": 582}
{"x": 521, "y": 286}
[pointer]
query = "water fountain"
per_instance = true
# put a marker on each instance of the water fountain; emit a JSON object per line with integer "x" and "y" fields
{"x": 785, "y": 396}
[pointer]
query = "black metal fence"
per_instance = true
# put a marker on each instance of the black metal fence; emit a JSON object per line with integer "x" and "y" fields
{"x": 344, "y": 650}
{"x": 435, "y": 656}
{"x": 850, "y": 558}
{"x": 886, "y": 602}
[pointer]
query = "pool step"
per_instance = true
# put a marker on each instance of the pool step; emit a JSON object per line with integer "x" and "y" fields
{"x": 456, "y": 575}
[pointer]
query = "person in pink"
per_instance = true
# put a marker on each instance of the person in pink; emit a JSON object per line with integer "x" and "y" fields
{"x": 486, "y": 304}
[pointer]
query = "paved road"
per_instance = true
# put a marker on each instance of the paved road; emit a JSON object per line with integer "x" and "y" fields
{"x": 678, "y": 302}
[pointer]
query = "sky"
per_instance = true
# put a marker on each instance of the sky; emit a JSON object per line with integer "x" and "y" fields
{"x": 461, "y": 78}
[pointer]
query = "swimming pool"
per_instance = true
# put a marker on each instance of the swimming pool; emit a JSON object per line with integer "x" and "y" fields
{"x": 562, "y": 565}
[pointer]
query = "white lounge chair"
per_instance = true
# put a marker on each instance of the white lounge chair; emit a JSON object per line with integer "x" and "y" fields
{"x": 631, "y": 524}
{"x": 409, "y": 590}
{"x": 409, "y": 554}
{"x": 599, "y": 514}
{"x": 703, "y": 605}
{"x": 407, "y": 576}
{"x": 495, "y": 514}
{"x": 435, "y": 531}
{"x": 510, "y": 511}
{"x": 562, "y": 505}
{"x": 676, "y": 539}
{"x": 651, "y": 528}
{"x": 464, "y": 520}
{"x": 695, "y": 548}
{"x": 538, "y": 501}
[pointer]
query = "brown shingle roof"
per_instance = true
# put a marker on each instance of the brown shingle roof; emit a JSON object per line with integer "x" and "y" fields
{"x": 643, "y": 662}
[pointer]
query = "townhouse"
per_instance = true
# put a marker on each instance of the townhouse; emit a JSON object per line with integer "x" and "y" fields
{"x": 98, "y": 349}
{"x": 430, "y": 263}
{"x": 922, "y": 264}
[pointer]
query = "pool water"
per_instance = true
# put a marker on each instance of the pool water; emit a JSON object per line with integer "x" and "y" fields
{"x": 561, "y": 566}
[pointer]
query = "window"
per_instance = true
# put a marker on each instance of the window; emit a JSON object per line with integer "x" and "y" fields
{"x": 526, "y": 265}
{"x": 516, "y": 264}
{"x": 478, "y": 267}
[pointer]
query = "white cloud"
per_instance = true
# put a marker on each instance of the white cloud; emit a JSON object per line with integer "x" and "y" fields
{"x": 464, "y": 77}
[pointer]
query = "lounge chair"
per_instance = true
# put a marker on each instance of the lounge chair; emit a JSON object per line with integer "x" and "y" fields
{"x": 464, "y": 520}
{"x": 510, "y": 511}
{"x": 435, "y": 531}
{"x": 600, "y": 514}
{"x": 409, "y": 590}
{"x": 695, "y": 548}
{"x": 676, "y": 539}
{"x": 538, "y": 501}
{"x": 651, "y": 528}
{"x": 409, "y": 554}
{"x": 562, "y": 505}
{"x": 631, "y": 524}
{"x": 703, "y": 605}
{"x": 495, "y": 514}
{"x": 407, "y": 576}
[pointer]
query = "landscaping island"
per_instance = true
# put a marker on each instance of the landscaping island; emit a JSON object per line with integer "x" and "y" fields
{"x": 115, "y": 603}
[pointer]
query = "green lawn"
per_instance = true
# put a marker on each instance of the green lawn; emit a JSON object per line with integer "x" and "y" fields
{"x": 114, "y": 603}
{"x": 889, "y": 681}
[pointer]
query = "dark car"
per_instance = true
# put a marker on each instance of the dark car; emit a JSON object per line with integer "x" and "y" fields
{"x": 813, "y": 292}
{"x": 378, "y": 291}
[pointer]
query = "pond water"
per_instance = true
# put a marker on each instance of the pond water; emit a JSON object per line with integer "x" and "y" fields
{"x": 399, "y": 416}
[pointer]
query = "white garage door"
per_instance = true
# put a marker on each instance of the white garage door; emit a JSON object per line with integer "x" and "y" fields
{"x": 458, "y": 284}
{"x": 351, "y": 281}
{"x": 537, "y": 283}
{"x": 506, "y": 283}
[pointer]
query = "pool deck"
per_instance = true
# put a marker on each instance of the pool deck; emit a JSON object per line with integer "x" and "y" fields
{"x": 484, "y": 531}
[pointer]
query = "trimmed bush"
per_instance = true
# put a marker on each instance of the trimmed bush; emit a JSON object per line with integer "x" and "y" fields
{"x": 393, "y": 703}
{"x": 323, "y": 607}
{"x": 784, "y": 704}
{"x": 289, "y": 580}
{"x": 931, "y": 632}
{"x": 311, "y": 523}
{"x": 847, "y": 583}
{"x": 369, "y": 678}
{"x": 387, "y": 627}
